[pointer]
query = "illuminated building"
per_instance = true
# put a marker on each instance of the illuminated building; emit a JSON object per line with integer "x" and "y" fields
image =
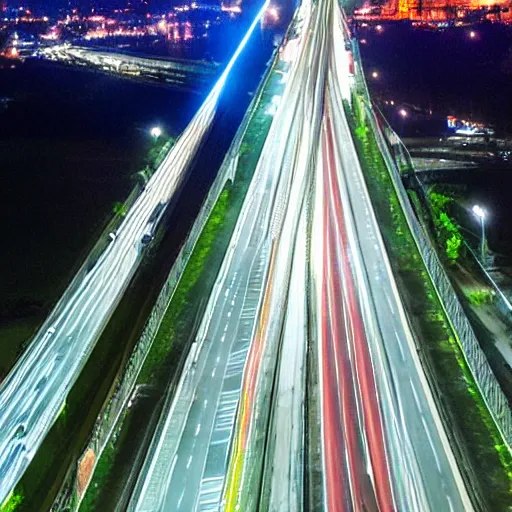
{"x": 231, "y": 5}
{"x": 432, "y": 10}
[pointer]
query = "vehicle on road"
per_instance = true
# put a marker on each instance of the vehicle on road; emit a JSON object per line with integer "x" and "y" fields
{"x": 153, "y": 220}
{"x": 157, "y": 213}
{"x": 20, "y": 432}
{"x": 146, "y": 238}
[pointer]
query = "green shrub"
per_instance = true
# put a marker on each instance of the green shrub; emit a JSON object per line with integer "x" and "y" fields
{"x": 447, "y": 231}
{"x": 453, "y": 246}
{"x": 12, "y": 503}
{"x": 481, "y": 297}
{"x": 439, "y": 201}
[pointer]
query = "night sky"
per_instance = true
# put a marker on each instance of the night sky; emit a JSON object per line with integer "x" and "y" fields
{"x": 54, "y": 5}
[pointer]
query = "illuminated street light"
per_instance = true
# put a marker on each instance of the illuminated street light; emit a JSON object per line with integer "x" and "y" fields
{"x": 378, "y": 28}
{"x": 480, "y": 213}
{"x": 272, "y": 11}
{"x": 403, "y": 112}
{"x": 472, "y": 34}
{"x": 375, "y": 74}
{"x": 156, "y": 131}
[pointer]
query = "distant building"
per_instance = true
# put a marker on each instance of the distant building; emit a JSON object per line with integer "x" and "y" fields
{"x": 430, "y": 10}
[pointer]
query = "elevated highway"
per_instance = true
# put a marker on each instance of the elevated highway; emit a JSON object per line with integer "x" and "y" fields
{"x": 177, "y": 72}
{"x": 34, "y": 393}
{"x": 236, "y": 425}
{"x": 307, "y": 245}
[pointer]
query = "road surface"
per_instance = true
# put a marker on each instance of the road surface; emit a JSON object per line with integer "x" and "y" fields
{"x": 419, "y": 460}
{"x": 188, "y": 460}
{"x": 384, "y": 446}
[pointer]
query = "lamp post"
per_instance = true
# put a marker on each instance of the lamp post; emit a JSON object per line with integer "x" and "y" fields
{"x": 403, "y": 114}
{"x": 480, "y": 213}
{"x": 156, "y": 132}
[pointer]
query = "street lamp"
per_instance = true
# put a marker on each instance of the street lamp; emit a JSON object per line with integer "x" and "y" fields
{"x": 273, "y": 13}
{"x": 156, "y": 131}
{"x": 403, "y": 115}
{"x": 480, "y": 213}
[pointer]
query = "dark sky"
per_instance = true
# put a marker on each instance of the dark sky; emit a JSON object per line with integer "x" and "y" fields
{"x": 58, "y": 4}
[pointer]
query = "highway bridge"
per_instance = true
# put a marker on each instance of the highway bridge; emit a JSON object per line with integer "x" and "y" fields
{"x": 307, "y": 245}
{"x": 306, "y": 272}
{"x": 188, "y": 74}
{"x": 34, "y": 392}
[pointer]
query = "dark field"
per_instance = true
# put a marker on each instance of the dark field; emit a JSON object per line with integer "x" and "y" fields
{"x": 450, "y": 73}
{"x": 70, "y": 142}
{"x": 446, "y": 71}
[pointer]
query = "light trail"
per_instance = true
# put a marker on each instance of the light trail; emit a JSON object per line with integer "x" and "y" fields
{"x": 228, "y": 326}
{"x": 234, "y": 477}
{"x": 356, "y": 339}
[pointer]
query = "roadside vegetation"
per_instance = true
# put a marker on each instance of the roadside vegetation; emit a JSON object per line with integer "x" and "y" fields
{"x": 484, "y": 460}
{"x": 447, "y": 230}
{"x": 481, "y": 297}
{"x": 183, "y": 304}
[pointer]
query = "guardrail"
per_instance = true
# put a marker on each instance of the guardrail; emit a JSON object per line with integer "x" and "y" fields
{"x": 489, "y": 387}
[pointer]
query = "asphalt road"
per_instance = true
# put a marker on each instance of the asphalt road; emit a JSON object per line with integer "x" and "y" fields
{"x": 195, "y": 478}
{"x": 34, "y": 392}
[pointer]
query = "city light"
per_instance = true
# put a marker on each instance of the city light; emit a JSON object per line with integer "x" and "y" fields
{"x": 472, "y": 34}
{"x": 402, "y": 112}
{"x": 375, "y": 74}
{"x": 273, "y": 13}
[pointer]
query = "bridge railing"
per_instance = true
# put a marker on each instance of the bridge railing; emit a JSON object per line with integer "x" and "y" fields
{"x": 476, "y": 360}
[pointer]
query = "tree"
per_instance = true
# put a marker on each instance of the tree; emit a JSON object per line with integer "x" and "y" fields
{"x": 453, "y": 247}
